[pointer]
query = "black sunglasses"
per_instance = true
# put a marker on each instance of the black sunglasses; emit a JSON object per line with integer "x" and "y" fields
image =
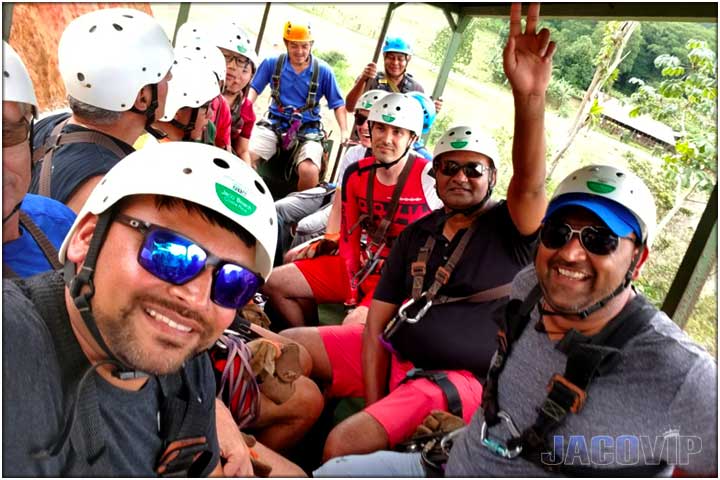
{"x": 595, "y": 239}
{"x": 15, "y": 133}
{"x": 451, "y": 168}
{"x": 176, "y": 259}
{"x": 360, "y": 119}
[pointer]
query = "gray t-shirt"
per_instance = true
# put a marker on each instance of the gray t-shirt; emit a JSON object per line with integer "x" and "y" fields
{"x": 660, "y": 402}
{"x": 33, "y": 402}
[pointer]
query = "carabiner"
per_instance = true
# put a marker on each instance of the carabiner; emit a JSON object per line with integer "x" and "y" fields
{"x": 446, "y": 442}
{"x": 497, "y": 447}
{"x": 421, "y": 313}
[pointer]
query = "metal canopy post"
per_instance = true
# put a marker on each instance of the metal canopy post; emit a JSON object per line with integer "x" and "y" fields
{"x": 383, "y": 31}
{"x": 696, "y": 266}
{"x": 7, "y": 13}
{"x": 182, "y": 17}
{"x": 458, "y": 29}
{"x": 262, "y": 28}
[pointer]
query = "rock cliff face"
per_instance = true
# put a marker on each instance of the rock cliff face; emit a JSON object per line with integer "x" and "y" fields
{"x": 35, "y": 34}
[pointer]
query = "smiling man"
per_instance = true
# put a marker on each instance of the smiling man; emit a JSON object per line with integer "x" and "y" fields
{"x": 169, "y": 245}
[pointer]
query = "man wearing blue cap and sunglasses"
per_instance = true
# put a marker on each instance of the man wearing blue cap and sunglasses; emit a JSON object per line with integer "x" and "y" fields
{"x": 102, "y": 372}
{"x": 589, "y": 378}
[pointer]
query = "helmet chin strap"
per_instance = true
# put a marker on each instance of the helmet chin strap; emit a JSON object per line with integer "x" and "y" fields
{"x": 75, "y": 283}
{"x": 150, "y": 113}
{"x": 583, "y": 314}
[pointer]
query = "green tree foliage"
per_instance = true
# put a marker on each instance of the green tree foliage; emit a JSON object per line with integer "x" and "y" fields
{"x": 338, "y": 62}
{"x": 655, "y": 39}
{"x": 464, "y": 55}
{"x": 686, "y": 99}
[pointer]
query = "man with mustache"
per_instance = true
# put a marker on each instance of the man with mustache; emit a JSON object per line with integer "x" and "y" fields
{"x": 103, "y": 364}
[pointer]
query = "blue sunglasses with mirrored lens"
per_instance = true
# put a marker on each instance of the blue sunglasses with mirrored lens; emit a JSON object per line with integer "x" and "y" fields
{"x": 176, "y": 259}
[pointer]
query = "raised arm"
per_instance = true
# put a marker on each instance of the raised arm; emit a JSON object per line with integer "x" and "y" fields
{"x": 527, "y": 61}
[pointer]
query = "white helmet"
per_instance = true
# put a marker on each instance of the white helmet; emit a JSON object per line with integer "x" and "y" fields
{"x": 193, "y": 84}
{"x": 17, "y": 85}
{"x": 206, "y": 52}
{"x": 618, "y": 185}
{"x": 399, "y": 110}
{"x": 203, "y": 174}
{"x": 368, "y": 99}
{"x": 231, "y": 36}
{"x": 107, "y": 56}
{"x": 467, "y": 139}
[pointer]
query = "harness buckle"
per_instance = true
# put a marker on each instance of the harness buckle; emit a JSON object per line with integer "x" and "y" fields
{"x": 417, "y": 268}
{"x": 496, "y": 446}
{"x": 442, "y": 275}
{"x": 567, "y": 388}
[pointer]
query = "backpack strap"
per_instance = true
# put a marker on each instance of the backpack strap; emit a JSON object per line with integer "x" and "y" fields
{"x": 183, "y": 425}
{"x": 78, "y": 381}
{"x": 51, "y": 253}
{"x": 58, "y": 139}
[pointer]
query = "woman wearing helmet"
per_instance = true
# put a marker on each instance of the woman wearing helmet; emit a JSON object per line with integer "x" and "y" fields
{"x": 195, "y": 40}
{"x": 187, "y": 109}
{"x": 115, "y": 64}
{"x": 241, "y": 63}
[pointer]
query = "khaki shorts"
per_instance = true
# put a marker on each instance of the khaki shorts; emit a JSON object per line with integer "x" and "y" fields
{"x": 264, "y": 143}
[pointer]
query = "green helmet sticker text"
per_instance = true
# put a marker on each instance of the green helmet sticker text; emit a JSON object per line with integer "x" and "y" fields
{"x": 459, "y": 144}
{"x": 388, "y": 118}
{"x": 598, "y": 187}
{"x": 234, "y": 201}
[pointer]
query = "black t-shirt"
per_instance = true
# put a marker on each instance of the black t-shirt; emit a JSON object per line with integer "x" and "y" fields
{"x": 460, "y": 335}
{"x": 33, "y": 402}
{"x": 73, "y": 163}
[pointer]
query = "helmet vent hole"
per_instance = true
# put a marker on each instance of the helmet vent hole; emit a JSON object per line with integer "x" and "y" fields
{"x": 122, "y": 105}
{"x": 87, "y": 85}
{"x": 159, "y": 74}
{"x": 238, "y": 37}
{"x": 451, "y": 134}
{"x": 6, "y": 74}
{"x": 468, "y": 132}
{"x": 187, "y": 170}
{"x": 398, "y": 108}
{"x": 128, "y": 16}
{"x": 619, "y": 174}
{"x": 92, "y": 29}
{"x": 221, "y": 163}
{"x": 105, "y": 199}
{"x": 184, "y": 94}
{"x": 197, "y": 48}
{"x": 117, "y": 27}
{"x": 271, "y": 221}
{"x": 81, "y": 77}
{"x": 144, "y": 69}
{"x": 261, "y": 189}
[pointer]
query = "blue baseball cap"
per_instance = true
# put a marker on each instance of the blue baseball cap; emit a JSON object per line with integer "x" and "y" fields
{"x": 615, "y": 216}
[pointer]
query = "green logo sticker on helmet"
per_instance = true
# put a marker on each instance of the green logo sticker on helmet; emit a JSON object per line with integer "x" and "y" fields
{"x": 235, "y": 201}
{"x": 241, "y": 49}
{"x": 388, "y": 118}
{"x": 367, "y": 105}
{"x": 598, "y": 187}
{"x": 459, "y": 144}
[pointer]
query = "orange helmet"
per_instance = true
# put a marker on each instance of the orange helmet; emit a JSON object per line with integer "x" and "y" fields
{"x": 297, "y": 32}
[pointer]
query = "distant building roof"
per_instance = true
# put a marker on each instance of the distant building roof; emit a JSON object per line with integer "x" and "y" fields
{"x": 620, "y": 113}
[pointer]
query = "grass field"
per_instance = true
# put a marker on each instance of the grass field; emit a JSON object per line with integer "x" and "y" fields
{"x": 469, "y": 96}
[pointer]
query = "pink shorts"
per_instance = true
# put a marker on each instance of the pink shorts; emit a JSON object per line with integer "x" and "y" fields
{"x": 407, "y": 405}
{"x": 328, "y": 278}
